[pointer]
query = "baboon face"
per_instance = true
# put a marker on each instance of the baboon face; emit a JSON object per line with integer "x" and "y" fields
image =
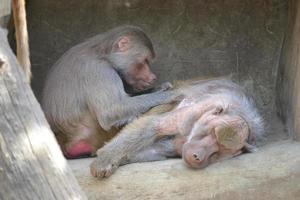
{"x": 213, "y": 138}
{"x": 140, "y": 77}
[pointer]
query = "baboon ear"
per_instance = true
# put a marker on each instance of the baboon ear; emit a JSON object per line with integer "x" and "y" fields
{"x": 123, "y": 44}
{"x": 250, "y": 145}
{"x": 228, "y": 137}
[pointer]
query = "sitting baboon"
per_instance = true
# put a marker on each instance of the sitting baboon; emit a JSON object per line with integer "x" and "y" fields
{"x": 84, "y": 98}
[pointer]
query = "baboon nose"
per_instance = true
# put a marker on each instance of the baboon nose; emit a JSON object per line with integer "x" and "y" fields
{"x": 198, "y": 156}
{"x": 152, "y": 78}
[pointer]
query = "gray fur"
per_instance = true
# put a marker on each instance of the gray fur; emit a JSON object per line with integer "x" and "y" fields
{"x": 222, "y": 91}
{"x": 138, "y": 141}
{"x": 86, "y": 81}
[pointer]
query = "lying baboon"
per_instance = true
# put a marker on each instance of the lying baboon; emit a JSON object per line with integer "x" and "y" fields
{"x": 215, "y": 120}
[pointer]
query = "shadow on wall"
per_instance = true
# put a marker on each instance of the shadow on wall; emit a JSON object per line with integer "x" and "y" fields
{"x": 192, "y": 38}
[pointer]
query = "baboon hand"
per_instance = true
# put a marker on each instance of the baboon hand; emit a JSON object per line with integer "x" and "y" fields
{"x": 104, "y": 165}
{"x": 165, "y": 86}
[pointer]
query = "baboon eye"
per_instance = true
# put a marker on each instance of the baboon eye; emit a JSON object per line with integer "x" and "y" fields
{"x": 218, "y": 110}
{"x": 213, "y": 157}
{"x": 139, "y": 66}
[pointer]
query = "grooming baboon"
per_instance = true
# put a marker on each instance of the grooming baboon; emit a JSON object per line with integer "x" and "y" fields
{"x": 216, "y": 120}
{"x": 84, "y": 98}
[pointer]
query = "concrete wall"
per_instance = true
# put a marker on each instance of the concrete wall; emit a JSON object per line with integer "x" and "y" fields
{"x": 5, "y": 8}
{"x": 288, "y": 82}
{"x": 192, "y": 37}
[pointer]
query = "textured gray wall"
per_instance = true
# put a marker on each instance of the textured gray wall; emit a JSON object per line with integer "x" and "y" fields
{"x": 192, "y": 38}
{"x": 5, "y": 9}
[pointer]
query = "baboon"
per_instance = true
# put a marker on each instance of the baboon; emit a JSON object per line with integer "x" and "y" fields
{"x": 216, "y": 120}
{"x": 84, "y": 97}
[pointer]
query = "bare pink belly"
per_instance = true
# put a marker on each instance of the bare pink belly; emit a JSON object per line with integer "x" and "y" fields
{"x": 79, "y": 150}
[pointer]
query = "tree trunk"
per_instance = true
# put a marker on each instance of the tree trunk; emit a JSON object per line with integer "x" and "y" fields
{"x": 31, "y": 163}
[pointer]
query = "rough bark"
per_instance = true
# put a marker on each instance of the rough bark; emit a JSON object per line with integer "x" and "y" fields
{"x": 31, "y": 163}
{"x": 288, "y": 82}
{"x": 22, "y": 36}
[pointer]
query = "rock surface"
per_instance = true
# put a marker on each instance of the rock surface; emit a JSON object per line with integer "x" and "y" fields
{"x": 271, "y": 173}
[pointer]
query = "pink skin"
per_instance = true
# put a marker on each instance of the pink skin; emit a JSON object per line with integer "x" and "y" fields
{"x": 202, "y": 149}
{"x": 141, "y": 77}
{"x": 197, "y": 153}
{"x": 181, "y": 120}
{"x": 81, "y": 148}
{"x": 199, "y": 143}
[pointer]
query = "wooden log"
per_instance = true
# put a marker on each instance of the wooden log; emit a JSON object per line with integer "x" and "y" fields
{"x": 288, "y": 82}
{"x": 19, "y": 14}
{"x": 31, "y": 163}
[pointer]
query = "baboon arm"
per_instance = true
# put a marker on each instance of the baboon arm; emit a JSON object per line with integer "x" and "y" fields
{"x": 114, "y": 106}
{"x": 182, "y": 119}
{"x": 131, "y": 107}
{"x": 103, "y": 92}
{"x": 136, "y": 136}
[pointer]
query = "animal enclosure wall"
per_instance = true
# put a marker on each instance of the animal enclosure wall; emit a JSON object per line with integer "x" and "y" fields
{"x": 194, "y": 38}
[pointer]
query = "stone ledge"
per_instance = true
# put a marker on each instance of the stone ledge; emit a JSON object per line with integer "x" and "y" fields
{"x": 271, "y": 173}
